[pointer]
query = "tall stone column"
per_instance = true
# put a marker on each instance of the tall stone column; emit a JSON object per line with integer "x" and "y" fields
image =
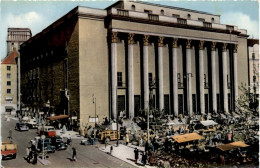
{"x": 188, "y": 76}
{"x": 130, "y": 76}
{"x": 145, "y": 71}
{"x": 213, "y": 76}
{"x": 201, "y": 77}
{"x": 114, "y": 74}
{"x": 175, "y": 77}
{"x": 160, "y": 72}
{"x": 224, "y": 66}
{"x": 235, "y": 74}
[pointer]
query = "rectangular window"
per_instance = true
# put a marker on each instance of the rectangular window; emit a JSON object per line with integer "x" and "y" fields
{"x": 8, "y": 68}
{"x": 175, "y": 16}
{"x": 254, "y": 78}
{"x": 148, "y": 11}
{"x": 201, "y": 19}
{"x": 8, "y": 91}
{"x": 179, "y": 80}
{"x": 8, "y": 83}
{"x": 119, "y": 79}
{"x": 253, "y": 56}
{"x": 150, "y": 78}
{"x": 8, "y": 75}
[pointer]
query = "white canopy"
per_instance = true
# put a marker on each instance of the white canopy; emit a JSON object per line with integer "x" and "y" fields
{"x": 208, "y": 122}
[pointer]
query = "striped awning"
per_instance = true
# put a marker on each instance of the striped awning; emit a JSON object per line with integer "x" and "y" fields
{"x": 58, "y": 117}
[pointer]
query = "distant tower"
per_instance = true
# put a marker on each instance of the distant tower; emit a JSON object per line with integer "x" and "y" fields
{"x": 15, "y": 37}
{"x": 10, "y": 70}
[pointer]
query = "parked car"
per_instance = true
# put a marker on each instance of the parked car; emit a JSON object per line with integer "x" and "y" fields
{"x": 8, "y": 149}
{"x": 21, "y": 127}
{"x": 108, "y": 135}
{"x": 32, "y": 125}
{"x": 48, "y": 131}
{"x": 58, "y": 143}
{"x": 46, "y": 144}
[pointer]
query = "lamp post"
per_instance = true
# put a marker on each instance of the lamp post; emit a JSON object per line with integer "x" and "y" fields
{"x": 94, "y": 102}
{"x": 43, "y": 138}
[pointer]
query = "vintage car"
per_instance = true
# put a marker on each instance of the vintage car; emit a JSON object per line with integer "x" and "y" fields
{"x": 8, "y": 149}
{"x": 32, "y": 125}
{"x": 21, "y": 127}
{"x": 48, "y": 131}
{"x": 108, "y": 135}
{"x": 46, "y": 144}
{"x": 58, "y": 143}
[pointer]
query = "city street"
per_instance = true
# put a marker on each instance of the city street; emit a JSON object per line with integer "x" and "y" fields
{"x": 87, "y": 156}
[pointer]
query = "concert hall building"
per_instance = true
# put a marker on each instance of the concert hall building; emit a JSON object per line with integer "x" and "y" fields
{"x": 135, "y": 56}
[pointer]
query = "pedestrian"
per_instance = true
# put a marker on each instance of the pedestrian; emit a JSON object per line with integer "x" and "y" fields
{"x": 126, "y": 139}
{"x": 35, "y": 158}
{"x": 30, "y": 156}
{"x": 146, "y": 146}
{"x": 136, "y": 154}
{"x": 69, "y": 140}
{"x": 111, "y": 149}
{"x": 222, "y": 159}
{"x": 105, "y": 144}
{"x": 74, "y": 154}
{"x": 10, "y": 134}
{"x": 166, "y": 144}
{"x": 151, "y": 159}
{"x": 144, "y": 158}
{"x": 27, "y": 154}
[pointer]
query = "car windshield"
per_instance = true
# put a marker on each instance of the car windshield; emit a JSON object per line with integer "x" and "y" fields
{"x": 50, "y": 129}
{"x": 22, "y": 125}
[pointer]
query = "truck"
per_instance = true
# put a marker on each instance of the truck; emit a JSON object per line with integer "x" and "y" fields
{"x": 8, "y": 150}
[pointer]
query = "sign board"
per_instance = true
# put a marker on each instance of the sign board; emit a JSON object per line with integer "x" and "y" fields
{"x": 92, "y": 119}
{"x": 74, "y": 117}
{"x": 41, "y": 113}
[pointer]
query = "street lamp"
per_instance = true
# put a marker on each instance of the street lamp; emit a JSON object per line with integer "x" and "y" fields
{"x": 95, "y": 102}
{"x": 43, "y": 138}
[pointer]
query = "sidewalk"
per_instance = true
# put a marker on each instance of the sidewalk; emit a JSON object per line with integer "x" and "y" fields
{"x": 125, "y": 153}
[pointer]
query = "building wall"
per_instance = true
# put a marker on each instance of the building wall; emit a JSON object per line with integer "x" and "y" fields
{"x": 4, "y": 86}
{"x": 93, "y": 69}
{"x": 254, "y": 66}
{"x": 242, "y": 63}
{"x": 169, "y": 11}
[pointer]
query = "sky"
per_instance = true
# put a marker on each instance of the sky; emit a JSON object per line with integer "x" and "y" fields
{"x": 37, "y": 15}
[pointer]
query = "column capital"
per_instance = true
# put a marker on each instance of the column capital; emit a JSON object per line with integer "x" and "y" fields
{"x": 160, "y": 41}
{"x": 114, "y": 37}
{"x": 175, "y": 43}
{"x": 224, "y": 47}
{"x": 235, "y": 48}
{"x": 188, "y": 46}
{"x": 146, "y": 40}
{"x": 201, "y": 45}
{"x": 131, "y": 38}
{"x": 213, "y": 46}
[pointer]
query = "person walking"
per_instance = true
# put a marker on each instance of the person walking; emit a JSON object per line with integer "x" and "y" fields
{"x": 35, "y": 158}
{"x": 111, "y": 149}
{"x": 27, "y": 154}
{"x": 126, "y": 139}
{"x": 69, "y": 140}
{"x": 144, "y": 158}
{"x": 136, "y": 154}
{"x": 74, "y": 154}
{"x": 151, "y": 159}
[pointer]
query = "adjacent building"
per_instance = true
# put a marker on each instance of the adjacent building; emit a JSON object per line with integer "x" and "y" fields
{"x": 253, "y": 51}
{"x": 10, "y": 73}
{"x": 134, "y": 56}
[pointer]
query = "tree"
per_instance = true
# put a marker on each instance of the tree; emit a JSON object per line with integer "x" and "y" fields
{"x": 248, "y": 102}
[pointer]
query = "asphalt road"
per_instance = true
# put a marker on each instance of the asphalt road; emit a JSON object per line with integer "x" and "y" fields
{"x": 87, "y": 156}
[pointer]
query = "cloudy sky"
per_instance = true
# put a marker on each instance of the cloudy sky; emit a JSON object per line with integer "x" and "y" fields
{"x": 37, "y": 15}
